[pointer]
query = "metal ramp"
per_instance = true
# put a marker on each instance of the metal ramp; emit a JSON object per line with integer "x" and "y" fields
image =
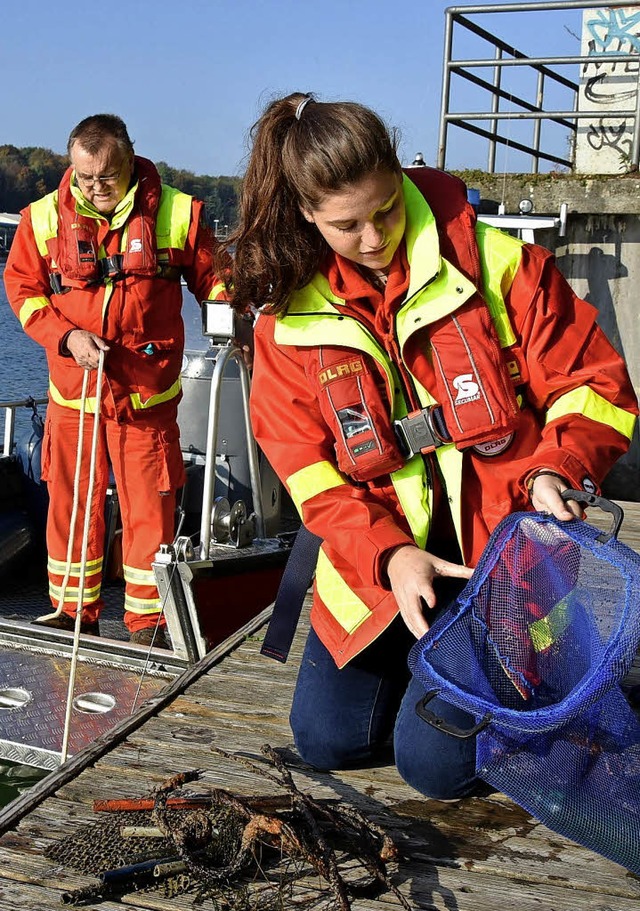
{"x": 113, "y": 680}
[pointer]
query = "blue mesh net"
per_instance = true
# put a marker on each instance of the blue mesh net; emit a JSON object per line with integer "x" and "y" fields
{"x": 536, "y": 646}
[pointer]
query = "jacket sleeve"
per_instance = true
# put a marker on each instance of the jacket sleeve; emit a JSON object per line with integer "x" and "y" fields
{"x": 299, "y": 445}
{"x": 26, "y": 278}
{"x": 200, "y": 271}
{"x": 577, "y": 382}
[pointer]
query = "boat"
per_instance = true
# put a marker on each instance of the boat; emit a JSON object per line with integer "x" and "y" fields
{"x": 234, "y": 530}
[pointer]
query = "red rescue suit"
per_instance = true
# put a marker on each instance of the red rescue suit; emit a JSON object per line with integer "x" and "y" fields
{"x": 71, "y": 268}
{"x": 333, "y": 373}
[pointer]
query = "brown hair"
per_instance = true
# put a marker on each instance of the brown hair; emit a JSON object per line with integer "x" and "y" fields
{"x": 92, "y": 133}
{"x": 302, "y": 150}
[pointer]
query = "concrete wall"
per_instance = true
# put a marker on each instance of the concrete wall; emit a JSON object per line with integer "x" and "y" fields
{"x": 603, "y": 145}
{"x": 599, "y": 256}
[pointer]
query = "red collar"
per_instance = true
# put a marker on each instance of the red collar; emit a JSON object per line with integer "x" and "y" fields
{"x": 372, "y": 306}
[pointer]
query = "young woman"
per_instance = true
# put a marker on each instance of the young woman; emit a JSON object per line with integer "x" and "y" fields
{"x": 417, "y": 377}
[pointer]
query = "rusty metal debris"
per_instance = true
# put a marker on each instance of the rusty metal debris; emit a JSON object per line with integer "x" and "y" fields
{"x": 234, "y": 850}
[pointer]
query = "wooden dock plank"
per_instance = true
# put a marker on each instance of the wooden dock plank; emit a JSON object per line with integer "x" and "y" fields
{"x": 472, "y": 855}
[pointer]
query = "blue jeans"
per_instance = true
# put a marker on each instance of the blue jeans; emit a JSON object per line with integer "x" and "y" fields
{"x": 345, "y": 718}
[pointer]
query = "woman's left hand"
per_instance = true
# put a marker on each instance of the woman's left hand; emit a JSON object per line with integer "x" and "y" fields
{"x": 411, "y": 573}
{"x": 545, "y": 497}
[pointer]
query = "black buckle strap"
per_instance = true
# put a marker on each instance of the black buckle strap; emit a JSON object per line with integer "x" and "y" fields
{"x": 55, "y": 281}
{"x": 421, "y": 431}
{"x": 111, "y": 267}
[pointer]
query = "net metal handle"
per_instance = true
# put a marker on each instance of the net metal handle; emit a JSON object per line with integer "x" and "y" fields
{"x": 441, "y": 725}
{"x": 591, "y": 499}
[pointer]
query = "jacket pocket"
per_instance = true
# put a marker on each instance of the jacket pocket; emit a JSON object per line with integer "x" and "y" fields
{"x": 170, "y": 465}
{"x": 155, "y": 367}
{"x": 45, "y": 458}
{"x": 353, "y": 402}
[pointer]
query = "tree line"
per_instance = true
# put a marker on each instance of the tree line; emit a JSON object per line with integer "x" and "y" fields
{"x": 27, "y": 174}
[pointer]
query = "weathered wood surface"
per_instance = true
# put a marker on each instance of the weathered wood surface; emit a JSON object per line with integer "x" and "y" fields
{"x": 471, "y": 855}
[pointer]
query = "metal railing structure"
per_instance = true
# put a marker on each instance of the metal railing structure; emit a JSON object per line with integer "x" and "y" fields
{"x": 505, "y": 56}
{"x": 10, "y": 408}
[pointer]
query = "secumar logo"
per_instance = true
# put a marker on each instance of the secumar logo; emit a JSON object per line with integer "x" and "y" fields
{"x": 467, "y": 389}
{"x": 352, "y": 367}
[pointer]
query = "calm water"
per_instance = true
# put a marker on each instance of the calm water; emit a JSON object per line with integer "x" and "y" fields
{"x": 23, "y": 373}
{"x": 23, "y": 367}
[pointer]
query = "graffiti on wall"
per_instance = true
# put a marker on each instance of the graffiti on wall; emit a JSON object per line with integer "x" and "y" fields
{"x": 608, "y": 84}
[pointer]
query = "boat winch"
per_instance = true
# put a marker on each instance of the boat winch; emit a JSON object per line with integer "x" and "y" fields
{"x": 231, "y": 524}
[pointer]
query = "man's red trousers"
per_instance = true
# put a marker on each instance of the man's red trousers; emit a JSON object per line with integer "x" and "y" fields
{"x": 147, "y": 467}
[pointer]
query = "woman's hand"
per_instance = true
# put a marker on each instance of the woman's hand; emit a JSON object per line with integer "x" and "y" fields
{"x": 411, "y": 573}
{"x": 545, "y": 497}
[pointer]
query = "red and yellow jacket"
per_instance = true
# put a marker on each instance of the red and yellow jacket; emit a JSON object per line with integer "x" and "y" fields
{"x": 482, "y": 309}
{"x": 56, "y": 282}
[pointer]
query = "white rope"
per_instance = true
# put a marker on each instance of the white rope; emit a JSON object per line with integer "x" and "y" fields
{"x": 85, "y": 544}
{"x": 74, "y": 510}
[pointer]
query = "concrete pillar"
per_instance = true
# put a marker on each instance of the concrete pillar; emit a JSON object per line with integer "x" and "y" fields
{"x": 603, "y": 145}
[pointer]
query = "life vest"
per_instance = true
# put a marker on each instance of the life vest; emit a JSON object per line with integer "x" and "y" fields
{"x": 75, "y": 249}
{"x": 359, "y": 391}
{"x": 474, "y": 405}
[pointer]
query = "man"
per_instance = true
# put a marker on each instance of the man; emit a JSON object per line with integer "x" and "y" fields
{"x": 95, "y": 270}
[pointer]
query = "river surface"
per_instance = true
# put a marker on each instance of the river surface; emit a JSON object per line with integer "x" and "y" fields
{"x": 23, "y": 373}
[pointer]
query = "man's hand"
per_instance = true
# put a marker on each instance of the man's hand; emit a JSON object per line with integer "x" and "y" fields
{"x": 411, "y": 573}
{"x": 545, "y": 497}
{"x": 85, "y": 347}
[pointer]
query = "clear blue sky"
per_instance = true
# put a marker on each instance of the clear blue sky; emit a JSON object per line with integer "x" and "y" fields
{"x": 190, "y": 76}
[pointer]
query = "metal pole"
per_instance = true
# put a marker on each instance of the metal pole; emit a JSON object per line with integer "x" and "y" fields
{"x": 635, "y": 145}
{"x": 254, "y": 465}
{"x": 495, "y": 107}
{"x": 9, "y": 424}
{"x": 446, "y": 88}
{"x": 536, "y": 5}
{"x": 535, "y": 163}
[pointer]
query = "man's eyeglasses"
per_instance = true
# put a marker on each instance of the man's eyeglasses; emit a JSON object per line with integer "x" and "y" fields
{"x": 109, "y": 179}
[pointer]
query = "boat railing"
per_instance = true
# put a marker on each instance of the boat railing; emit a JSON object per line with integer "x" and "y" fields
{"x": 10, "y": 408}
{"x": 554, "y": 97}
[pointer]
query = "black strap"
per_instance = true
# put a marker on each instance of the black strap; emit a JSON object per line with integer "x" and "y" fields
{"x": 421, "y": 431}
{"x": 295, "y": 582}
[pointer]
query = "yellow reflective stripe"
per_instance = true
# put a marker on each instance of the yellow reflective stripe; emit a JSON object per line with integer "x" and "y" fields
{"x": 309, "y": 331}
{"x": 173, "y": 219}
{"x": 30, "y": 306}
{"x": 139, "y": 404}
{"x": 421, "y": 235}
{"x": 414, "y": 494}
{"x": 138, "y": 576}
{"x": 450, "y": 462}
{"x": 217, "y": 290}
{"x": 59, "y": 399}
{"x": 44, "y": 220}
{"x": 89, "y": 595}
{"x": 59, "y": 567}
{"x": 446, "y": 294}
{"x": 500, "y": 256}
{"x": 348, "y": 610}
{"x": 141, "y": 605}
{"x": 546, "y": 631}
{"x": 588, "y": 403}
{"x": 108, "y": 291}
{"x": 314, "y": 479}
